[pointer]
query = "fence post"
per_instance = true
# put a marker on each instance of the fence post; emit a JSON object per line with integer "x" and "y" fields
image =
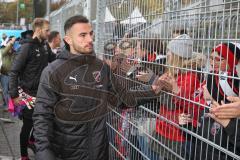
{"x": 101, "y": 4}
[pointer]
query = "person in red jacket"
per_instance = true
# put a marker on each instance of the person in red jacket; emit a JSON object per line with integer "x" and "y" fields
{"x": 218, "y": 86}
{"x": 231, "y": 56}
{"x": 224, "y": 132}
{"x": 184, "y": 83}
{"x": 224, "y": 60}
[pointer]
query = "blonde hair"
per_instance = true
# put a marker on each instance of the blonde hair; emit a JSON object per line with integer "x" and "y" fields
{"x": 196, "y": 61}
{"x": 39, "y": 23}
{"x": 176, "y": 64}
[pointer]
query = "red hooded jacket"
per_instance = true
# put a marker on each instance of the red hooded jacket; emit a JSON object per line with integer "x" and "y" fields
{"x": 187, "y": 83}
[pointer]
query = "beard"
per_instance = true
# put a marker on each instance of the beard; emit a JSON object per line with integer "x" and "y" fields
{"x": 42, "y": 37}
{"x": 82, "y": 50}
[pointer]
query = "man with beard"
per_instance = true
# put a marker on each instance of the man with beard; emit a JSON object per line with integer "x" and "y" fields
{"x": 74, "y": 96}
{"x": 54, "y": 41}
{"x": 33, "y": 57}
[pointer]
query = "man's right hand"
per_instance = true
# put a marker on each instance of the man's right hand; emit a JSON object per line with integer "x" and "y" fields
{"x": 16, "y": 101}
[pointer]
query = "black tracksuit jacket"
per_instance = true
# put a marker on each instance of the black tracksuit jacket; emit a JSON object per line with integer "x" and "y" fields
{"x": 27, "y": 67}
{"x": 73, "y": 99}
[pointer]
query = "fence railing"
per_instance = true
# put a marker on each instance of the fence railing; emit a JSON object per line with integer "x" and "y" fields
{"x": 154, "y": 130}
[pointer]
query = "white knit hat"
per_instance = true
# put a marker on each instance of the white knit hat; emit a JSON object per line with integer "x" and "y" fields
{"x": 182, "y": 46}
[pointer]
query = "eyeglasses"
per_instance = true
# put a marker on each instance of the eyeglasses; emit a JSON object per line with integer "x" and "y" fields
{"x": 110, "y": 46}
{"x": 126, "y": 44}
{"x": 216, "y": 57}
{"x": 123, "y": 45}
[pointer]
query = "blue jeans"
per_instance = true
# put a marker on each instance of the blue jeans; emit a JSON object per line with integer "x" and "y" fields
{"x": 4, "y": 79}
{"x": 145, "y": 148}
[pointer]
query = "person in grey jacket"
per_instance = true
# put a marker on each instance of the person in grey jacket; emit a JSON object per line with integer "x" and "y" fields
{"x": 74, "y": 96}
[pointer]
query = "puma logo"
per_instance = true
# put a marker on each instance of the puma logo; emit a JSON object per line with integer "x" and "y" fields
{"x": 73, "y": 78}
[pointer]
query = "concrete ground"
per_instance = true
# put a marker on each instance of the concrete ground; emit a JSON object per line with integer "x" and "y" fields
{"x": 9, "y": 137}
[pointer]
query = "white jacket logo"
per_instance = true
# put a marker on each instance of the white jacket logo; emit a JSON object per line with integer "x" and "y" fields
{"x": 73, "y": 78}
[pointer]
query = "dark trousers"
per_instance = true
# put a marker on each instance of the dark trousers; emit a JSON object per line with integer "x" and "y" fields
{"x": 4, "y": 80}
{"x": 25, "y": 135}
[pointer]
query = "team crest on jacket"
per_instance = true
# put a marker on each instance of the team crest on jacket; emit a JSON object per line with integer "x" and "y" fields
{"x": 97, "y": 76}
{"x": 215, "y": 128}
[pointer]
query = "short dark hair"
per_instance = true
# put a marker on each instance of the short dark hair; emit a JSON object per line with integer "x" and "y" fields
{"x": 52, "y": 35}
{"x": 73, "y": 20}
{"x": 26, "y": 33}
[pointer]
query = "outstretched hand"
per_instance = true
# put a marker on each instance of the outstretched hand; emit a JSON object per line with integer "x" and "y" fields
{"x": 169, "y": 82}
{"x": 184, "y": 119}
{"x": 223, "y": 121}
{"x": 160, "y": 84}
{"x": 145, "y": 76}
{"x": 118, "y": 61}
{"x": 230, "y": 110}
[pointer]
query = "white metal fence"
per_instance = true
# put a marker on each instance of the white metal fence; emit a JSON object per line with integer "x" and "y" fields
{"x": 71, "y": 8}
{"x": 58, "y": 17}
{"x": 176, "y": 125}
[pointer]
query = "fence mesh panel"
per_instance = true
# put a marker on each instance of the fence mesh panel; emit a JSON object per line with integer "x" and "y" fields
{"x": 176, "y": 125}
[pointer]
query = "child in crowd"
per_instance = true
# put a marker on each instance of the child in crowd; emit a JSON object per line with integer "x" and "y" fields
{"x": 184, "y": 83}
{"x": 137, "y": 52}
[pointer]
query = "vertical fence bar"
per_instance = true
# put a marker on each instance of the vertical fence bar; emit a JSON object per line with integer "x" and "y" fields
{"x": 100, "y": 28}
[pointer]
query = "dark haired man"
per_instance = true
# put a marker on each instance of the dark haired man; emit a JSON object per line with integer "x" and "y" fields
{"x": 27, "y": 34}
{"x": 54, "y": 41}
{"x": 74, "y": 94}
{"x": 33, "y": 57}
